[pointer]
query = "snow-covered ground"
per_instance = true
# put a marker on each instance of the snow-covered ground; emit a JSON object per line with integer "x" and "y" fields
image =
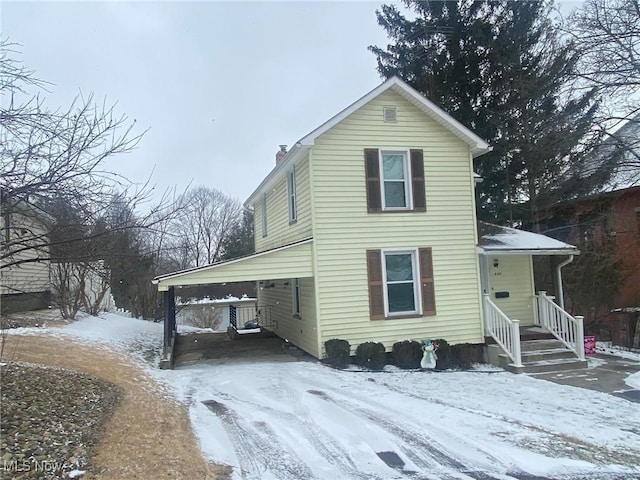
{"x": 302, "y": 420}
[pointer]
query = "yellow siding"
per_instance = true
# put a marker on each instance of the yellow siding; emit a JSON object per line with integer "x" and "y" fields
{"x": 31, "y": 276}
{"x": 513, "y": 275}
{"x": 343, "y": 230}
{"x": 279, "y": 231}
{"x": 299, "y": 331}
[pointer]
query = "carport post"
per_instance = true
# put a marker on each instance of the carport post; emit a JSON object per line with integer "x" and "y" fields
{"x": 169, "y": 315}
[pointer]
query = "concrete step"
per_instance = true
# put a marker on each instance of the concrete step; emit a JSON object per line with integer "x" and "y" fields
{"x": 529, "y": 345}
{"x": 555, "y": 365}
{"x": 546, "y": 354}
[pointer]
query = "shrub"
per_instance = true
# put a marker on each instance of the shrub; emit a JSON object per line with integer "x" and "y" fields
{"x": 443, "y": 353}
{"x": 338, "y": 352}
{"x": 465, "y": 354}
{"x": 371, "y": 355}
{"x": 407, "y": 354}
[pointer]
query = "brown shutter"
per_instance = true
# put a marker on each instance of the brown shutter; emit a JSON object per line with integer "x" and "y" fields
{"x": 417, "y": 179}
{"x": 372, "y": 171}
{"x": 376, "y": 288}
{"x": 426, "y": 280}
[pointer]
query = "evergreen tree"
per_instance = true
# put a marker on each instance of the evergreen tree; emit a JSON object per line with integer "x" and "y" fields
{"x": 501, "y": 69}
{"x": 239, "y": 241}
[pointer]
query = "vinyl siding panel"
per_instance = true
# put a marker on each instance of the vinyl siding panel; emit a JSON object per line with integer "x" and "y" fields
{"x": 513, "y": 275}
{"x": 302, "y": 332}
{"x": 279, "y": 230}
{"x": 26, "y": 277}
{"x": 343, "y": 230}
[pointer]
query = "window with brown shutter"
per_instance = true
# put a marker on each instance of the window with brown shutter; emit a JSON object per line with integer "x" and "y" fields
{"x": 426, "y": 281}
{"x": 395, "y": 180}
{"x": 376, "y": 288}
{"x": 372, "y": 171}
{"x": 390, "y": 288}
{"x": 417, "y": 179}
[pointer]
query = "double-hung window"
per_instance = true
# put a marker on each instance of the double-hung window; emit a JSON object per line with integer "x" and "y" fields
{"x": 291, "y": 195}
{"x": 395, "y": 180}
{"x": 401, "y": 288}
{"x": 401, "y": 283}
{"x": 395, "y": 184}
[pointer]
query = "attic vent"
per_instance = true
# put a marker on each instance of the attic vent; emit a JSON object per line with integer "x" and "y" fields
{"x": 390, "y": 114}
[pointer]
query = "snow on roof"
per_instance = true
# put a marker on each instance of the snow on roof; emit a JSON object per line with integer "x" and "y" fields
{"x": 496, "y": 238}
{"x": 625, "y": 170}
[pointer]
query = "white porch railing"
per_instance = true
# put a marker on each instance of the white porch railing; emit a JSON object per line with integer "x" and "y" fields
{"x": 505, "y": 332}
{"x": 562, "y": 325}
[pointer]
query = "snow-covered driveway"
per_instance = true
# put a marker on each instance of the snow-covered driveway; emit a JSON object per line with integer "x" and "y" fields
{"x": 302, "y": 420}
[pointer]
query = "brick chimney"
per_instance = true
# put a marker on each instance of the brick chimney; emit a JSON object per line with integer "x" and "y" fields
{"x": 281, "y": 153}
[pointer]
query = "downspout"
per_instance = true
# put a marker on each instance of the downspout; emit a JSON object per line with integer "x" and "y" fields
{"x": 559, "y": 280}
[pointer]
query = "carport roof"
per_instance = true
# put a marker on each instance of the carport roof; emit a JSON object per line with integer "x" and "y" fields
{"x": 288, "y": 261}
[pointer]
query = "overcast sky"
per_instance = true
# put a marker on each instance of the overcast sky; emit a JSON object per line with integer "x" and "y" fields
{"x": 219, "y": 85}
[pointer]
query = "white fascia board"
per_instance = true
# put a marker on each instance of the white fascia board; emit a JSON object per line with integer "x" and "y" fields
{"x": 524, "y": 251}
{"x": 477, "y": 144}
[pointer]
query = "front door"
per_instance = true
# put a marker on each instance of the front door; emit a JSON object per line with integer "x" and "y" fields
{"x": 510, "y": 285}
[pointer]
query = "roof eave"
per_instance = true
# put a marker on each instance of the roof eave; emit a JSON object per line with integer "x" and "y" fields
{"x": 296, "y": 153}
{"x": 528, "y": 251}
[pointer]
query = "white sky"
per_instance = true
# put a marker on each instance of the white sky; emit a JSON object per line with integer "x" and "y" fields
{"x": 219, "y": 84}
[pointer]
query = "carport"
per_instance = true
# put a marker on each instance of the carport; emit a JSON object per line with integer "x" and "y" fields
{"x": 289, "y": 261}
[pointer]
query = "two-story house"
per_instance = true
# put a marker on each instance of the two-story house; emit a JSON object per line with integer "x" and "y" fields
{"x": 365, "y": 230}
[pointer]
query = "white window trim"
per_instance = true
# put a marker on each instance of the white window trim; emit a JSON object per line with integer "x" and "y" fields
{"x": 408, "y": 191}
{"x": 291, "y": 195}
{"x": 417, "y": 291}
{"x": 264, "y": 214}
{"x": 296, "y": 297}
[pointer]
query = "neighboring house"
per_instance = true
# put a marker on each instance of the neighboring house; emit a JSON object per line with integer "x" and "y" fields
{"x": 619, "y": 157}
{"x": 366, "y": 231}
{"x": 610, "y": 219}
{"x": 24, "y": 257}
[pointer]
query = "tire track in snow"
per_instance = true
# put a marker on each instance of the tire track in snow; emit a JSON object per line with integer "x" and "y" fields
{"x": 257, "y": 453}
{"x": 563, "y": 442}
{"x": 325, "y": 445}
{"x": 425, "y": 451}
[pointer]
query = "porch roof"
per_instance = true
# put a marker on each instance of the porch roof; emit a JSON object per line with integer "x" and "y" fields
{"x": 289, "y": 261}
{"x": 496, "y": 239}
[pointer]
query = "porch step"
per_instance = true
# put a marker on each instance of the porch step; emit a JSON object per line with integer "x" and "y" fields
{"x": 537, "y": 356}
{"x": 554, "y": 365}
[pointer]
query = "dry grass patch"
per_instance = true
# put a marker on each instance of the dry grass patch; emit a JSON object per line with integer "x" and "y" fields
{"x": 148, "y": 436}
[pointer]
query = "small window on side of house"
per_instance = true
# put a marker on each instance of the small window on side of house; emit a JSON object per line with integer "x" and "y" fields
{"x": 291, "y": 195}
{"x": 263, "y": 207}
{"x": 295, "y": 294}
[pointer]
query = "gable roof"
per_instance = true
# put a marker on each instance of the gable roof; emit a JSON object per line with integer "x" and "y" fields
{"x": 477, "y": 145}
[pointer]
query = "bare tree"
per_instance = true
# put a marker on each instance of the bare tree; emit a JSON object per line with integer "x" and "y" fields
{"x": 607, "y": 35}
{"x": 607, "y": 32}
{"x": 54, "y": 158}
{"x": 206, "y": 220}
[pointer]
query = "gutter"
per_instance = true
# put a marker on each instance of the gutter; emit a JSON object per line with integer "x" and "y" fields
{"x": 559, "y": 280}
